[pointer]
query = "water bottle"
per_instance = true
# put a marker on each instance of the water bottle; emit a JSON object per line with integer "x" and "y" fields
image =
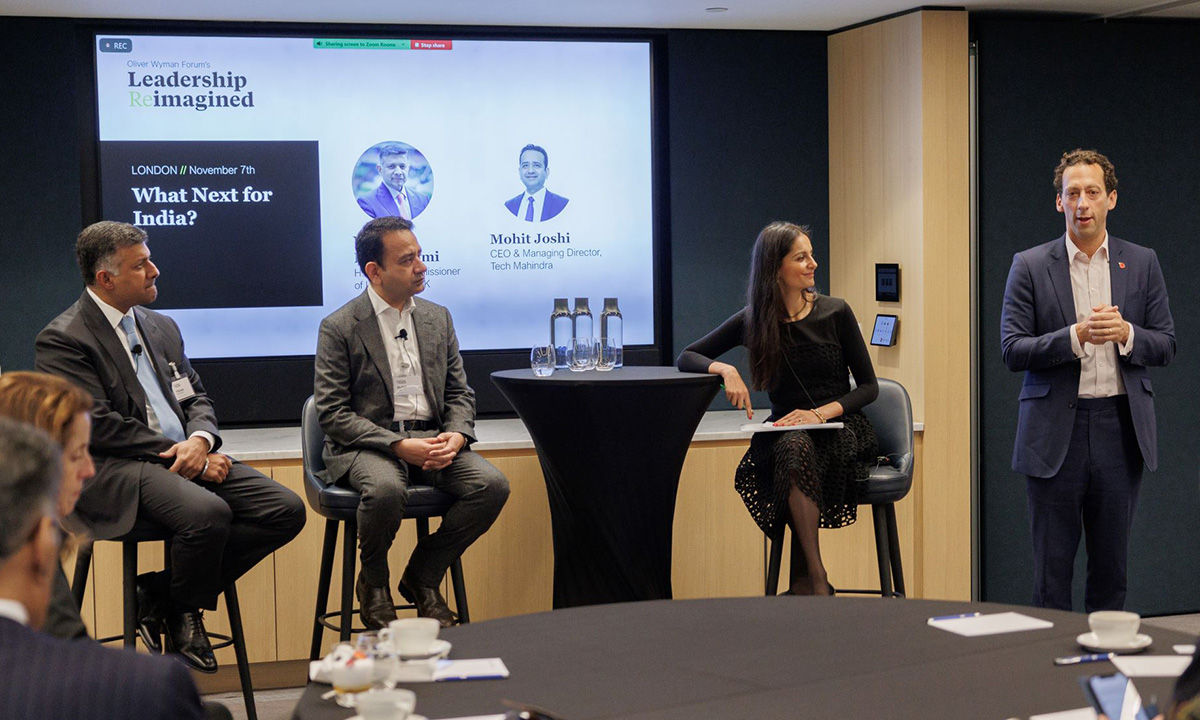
{"x": 610, "y": 327}
{"x": 561, "y": 330}
{"x": 582, "y": 328}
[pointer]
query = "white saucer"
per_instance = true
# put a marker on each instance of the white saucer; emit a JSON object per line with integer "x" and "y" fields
{"x": 1139, "y": 643}
{"x": 412, "y": 716}
{"x": 439, "y": 650}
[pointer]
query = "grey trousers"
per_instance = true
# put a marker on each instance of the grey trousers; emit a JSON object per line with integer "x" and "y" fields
{"x": 383, "y": 481}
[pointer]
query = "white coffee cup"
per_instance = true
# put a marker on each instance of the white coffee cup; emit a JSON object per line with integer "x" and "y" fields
{"x": 386, "y": 704}
{"x": 410, "y": 637}
{"x": 1114, "y": 627}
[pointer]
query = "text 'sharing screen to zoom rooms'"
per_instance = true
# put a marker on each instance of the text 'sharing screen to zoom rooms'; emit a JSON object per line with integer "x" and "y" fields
{"x": 252, "y": 162}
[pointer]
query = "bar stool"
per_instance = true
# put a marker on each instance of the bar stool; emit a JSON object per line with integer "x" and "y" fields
{"x": 145, "y": 531}
{"x": 891, "y": 416}
{"x": 340, "y": 505}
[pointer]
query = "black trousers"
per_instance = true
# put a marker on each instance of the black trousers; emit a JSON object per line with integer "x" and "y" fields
{"x": 1094, "y": 494}
{"x": 219, "y": 531}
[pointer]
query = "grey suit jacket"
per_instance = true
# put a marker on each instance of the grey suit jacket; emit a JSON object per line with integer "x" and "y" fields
{"x": 81, "y": 346}
{"x": 353, "y": 384}
{"x": 1039, "y": 309}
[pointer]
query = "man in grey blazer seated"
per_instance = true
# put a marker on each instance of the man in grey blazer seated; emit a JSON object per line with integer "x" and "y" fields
{"x": 395, "y": 406}
{"x": 155, "y": 443}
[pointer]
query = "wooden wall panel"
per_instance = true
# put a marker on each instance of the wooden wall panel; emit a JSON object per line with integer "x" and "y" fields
{"x": 947, "y": 288}
{"x": 899, "y": 192}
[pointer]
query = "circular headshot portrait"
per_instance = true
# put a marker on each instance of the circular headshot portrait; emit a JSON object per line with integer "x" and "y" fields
{"x": 392, "y": 178}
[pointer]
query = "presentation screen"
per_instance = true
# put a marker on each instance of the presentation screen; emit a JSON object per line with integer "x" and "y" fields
{"x": 252, "y": 163}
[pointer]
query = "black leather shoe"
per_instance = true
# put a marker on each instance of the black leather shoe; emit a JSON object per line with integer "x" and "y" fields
{"x": 186, "y": 636}
{"x": 151, "y": 602}
{"x": 374, "y": 604}
{"x": 429, "y": 601}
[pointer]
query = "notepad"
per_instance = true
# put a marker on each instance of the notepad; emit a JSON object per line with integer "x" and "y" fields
{"x": 1152, "y": 665}
{"x": 1078, "y": 714}
{"x": 480, "y": 669}
{"x": 994, "y": 624}
{"x": 769, "y": 427}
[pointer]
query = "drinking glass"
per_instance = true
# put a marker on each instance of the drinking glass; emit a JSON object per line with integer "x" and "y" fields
{"x": 606, "y": 358}
{"x": 582, "y": 355}
{"x": 541, "y": 359}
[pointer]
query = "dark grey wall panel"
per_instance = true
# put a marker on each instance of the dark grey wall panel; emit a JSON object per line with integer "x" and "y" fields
{"x": 1130, "y": 91}
{"x": 749, "y": 144}
{"x": 39, "y": 181}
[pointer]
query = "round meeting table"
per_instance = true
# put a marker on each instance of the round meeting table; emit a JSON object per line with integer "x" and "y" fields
{"x": 611, "y": 445}
{"x": 765, "y": 658}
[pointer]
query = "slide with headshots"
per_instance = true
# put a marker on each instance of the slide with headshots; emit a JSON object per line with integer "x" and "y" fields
{"x": 252, "y": 162}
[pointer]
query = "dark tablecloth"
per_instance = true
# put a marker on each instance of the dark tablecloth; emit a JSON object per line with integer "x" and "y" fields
{"x": 611, "y": 446}
{"x": 782, "y": 657}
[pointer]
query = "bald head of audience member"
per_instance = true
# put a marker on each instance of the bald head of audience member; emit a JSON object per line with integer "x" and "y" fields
{"x": 29, "y": 535}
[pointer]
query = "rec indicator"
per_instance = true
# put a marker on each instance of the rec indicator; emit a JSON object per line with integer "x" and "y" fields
{"x": 380, "y": 44}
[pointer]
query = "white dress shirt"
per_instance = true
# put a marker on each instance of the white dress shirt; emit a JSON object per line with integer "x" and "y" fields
{"x": 404, "y": 358}
{"x": 14, "y": 611}
{"x": 114, "y": 317}
{"x": 1091, "y": 285}
{"x": 539, "y": 204}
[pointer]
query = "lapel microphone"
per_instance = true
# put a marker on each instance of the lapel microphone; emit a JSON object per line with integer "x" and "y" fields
{"x": 402, "y": 335}
{"x": 136, "y": 349}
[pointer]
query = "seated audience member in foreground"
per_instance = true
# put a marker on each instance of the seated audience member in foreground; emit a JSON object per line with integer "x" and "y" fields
{"x": 63, "y": 411}
{"x": 803, "y": 348}
{"x": 48, "y": 678}
{"x": 395, "y": 406}
{"x": 155, "y": 442}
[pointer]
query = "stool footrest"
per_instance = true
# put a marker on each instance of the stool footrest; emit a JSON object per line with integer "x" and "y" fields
{"x": 325, "y": 622}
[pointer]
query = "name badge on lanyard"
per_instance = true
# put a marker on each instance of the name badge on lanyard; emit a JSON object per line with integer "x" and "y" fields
{"x": 408, "y": 385}
{"x": 180, "y": 385}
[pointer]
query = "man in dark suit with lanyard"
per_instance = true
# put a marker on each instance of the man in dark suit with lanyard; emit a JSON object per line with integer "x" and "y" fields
{"x": 1083, "y": 317}
{"x": 395, "y": 406}
{"x": 155, "y": 442}
{"x": 44, "y": 677}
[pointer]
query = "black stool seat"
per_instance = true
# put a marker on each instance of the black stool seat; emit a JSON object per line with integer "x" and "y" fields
{"x": 147, "y": 531}
{"x": 339, "y": 504}
{"x": 888, "y": 483}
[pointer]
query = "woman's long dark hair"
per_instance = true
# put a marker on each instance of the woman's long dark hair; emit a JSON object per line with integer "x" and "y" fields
{"x": 765, "y": 311}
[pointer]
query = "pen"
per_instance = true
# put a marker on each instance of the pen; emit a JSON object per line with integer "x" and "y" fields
{"x": 1076, "y": 659}
{"x": 954, "y": 617}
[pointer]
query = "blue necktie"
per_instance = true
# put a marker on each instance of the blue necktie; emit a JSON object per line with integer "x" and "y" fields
{"x": 167, "y": 419}
{"x": 529, "y": 211}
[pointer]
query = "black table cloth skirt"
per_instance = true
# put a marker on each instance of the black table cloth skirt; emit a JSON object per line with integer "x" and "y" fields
{"x": 611, "y": 446}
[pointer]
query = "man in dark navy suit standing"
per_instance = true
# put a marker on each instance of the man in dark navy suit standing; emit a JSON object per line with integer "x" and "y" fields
{"x": 1084, "y": 316}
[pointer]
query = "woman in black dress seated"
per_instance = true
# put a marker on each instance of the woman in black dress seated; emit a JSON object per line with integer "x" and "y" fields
{"x": 803, "y": 347}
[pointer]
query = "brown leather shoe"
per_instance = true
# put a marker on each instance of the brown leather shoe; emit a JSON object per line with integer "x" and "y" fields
{"x": 374, "y": 604}
{"x": 429, "y": 601}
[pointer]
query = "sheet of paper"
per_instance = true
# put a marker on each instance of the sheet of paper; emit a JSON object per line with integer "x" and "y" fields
{"x": 480, "y": 717}
{"x": 1152, "y": 665}
{"x": 994, "y": 624}
{"x": 480, "y": 669}
{"x": 1185, "y": 649}
{"x": 768, "y": 427}
{"x": 1078, "y": 714}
